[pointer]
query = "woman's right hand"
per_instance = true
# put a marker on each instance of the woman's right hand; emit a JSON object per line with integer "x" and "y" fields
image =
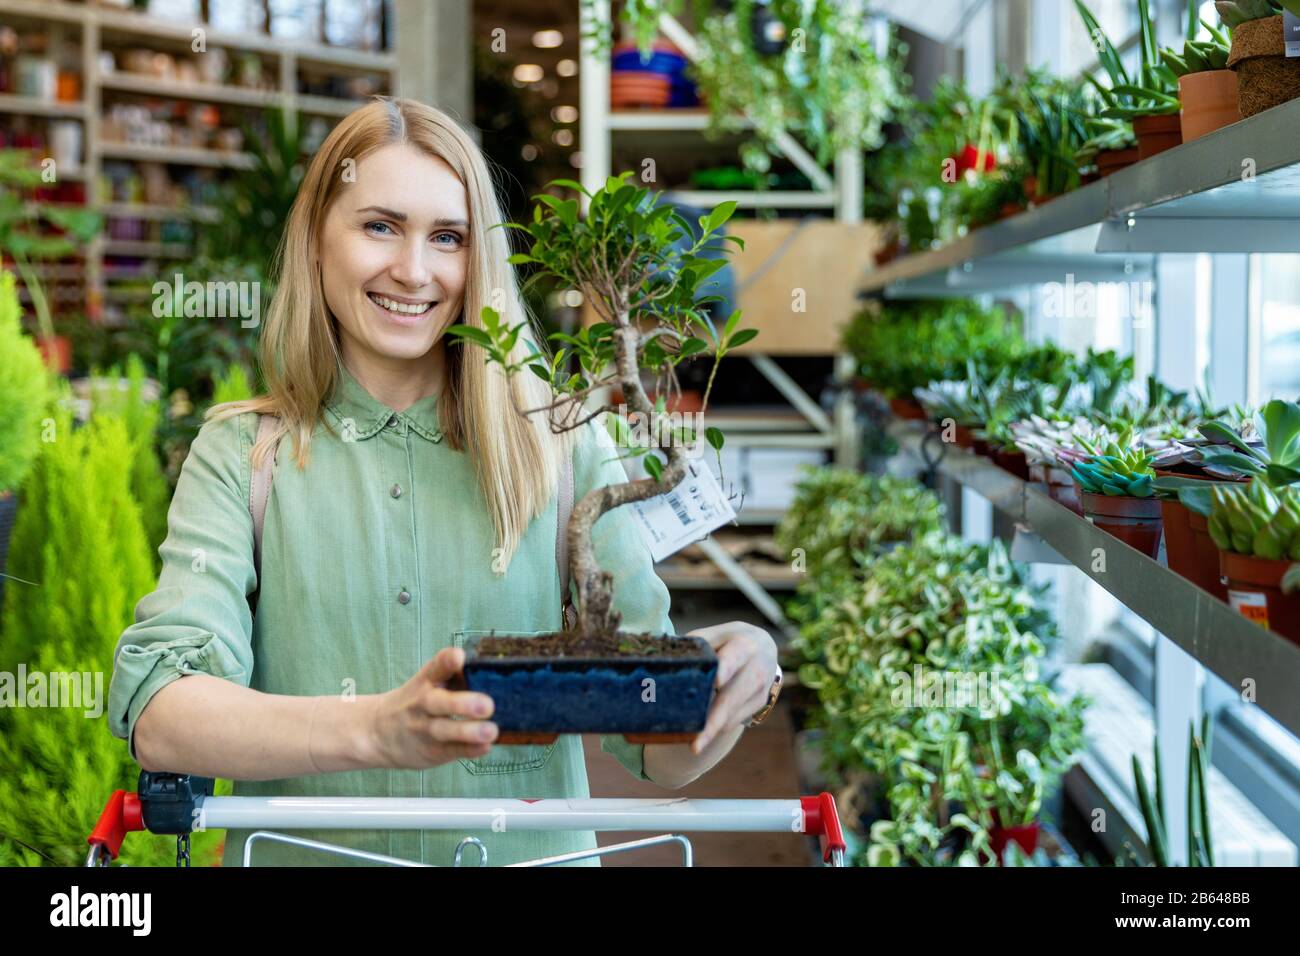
{"x": 413, "y": 726}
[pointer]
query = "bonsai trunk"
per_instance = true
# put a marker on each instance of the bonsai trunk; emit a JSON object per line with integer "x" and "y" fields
{"x": 596, "y": 614}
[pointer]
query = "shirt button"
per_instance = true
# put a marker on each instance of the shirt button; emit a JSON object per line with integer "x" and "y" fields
{"x": 397, "y": 491}
{"x": 403, "y": 597}
{"x": 392, "y": 421}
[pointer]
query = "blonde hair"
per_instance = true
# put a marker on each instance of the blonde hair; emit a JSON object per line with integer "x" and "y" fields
{"x": 516, "y": 457}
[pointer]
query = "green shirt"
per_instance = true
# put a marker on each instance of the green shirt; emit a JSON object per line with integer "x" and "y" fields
{"x": 374, "y": 557}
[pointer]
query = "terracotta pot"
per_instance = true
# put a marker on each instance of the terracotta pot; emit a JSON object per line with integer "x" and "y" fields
{"x": 963, "y": 437}
{"x": 1024, "y": 836}
{"x": 1255, "y": 591}
{"x": 57, "y": 352}
{"x": 1113, "y": 160}
{"x": 908, "y": 408}
{"x": 1181, "y": 548}
{"x": 1062, "y": 489}
{"x": 1209, "y": 102}
{"x": 1205, "y": 554}
{"x": 981, "y": 446}
{"x": 1010, "y": 209}
{"x": 1266, "y": 77}
{"x": 1013, "y": 460}
{"x": 1135, "y": 521}
{"x": 1157, "y": 133}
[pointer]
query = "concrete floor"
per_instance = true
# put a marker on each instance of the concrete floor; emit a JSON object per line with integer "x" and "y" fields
{"x": 762, "y": 765}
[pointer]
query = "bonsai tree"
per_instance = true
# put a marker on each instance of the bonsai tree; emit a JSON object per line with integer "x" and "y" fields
{"x": 643, "y": 269}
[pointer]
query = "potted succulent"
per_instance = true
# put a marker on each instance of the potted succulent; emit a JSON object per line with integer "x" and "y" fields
{"x": 643, "y": 268}
{"x": 1257, "y": 531}
{"x": 1207, "y": 88}
{"x": 1111, "y": 146}
{"x": 1266, "y": 76}
{"x": 1183, "y": 481}
{"x": 1117, "y": 493}
{"x": 25, "y": 236}
{"x": 24, "y": 396}
{"x": 1150, "y": 99}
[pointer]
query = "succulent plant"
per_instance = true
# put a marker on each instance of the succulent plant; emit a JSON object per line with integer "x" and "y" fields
{"x": 1153, "y": 91}
{"x": 1256, "y": 520}
{"x": 1234, "y": 13}
{"x": 1200, "y": 56}
{"x": 1276, "y": 462}
{"x": 1121, "y": 470}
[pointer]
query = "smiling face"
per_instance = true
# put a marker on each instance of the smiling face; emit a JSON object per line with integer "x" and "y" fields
{"x": 395, "y": 251}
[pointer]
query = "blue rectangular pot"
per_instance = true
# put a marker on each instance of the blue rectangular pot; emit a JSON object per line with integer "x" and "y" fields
{"x": 587, "y": 695}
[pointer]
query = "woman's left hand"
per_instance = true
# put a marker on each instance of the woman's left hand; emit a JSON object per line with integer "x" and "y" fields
{"x": 746, "y": 666}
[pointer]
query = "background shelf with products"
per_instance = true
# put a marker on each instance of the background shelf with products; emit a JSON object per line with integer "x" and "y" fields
{"x": 144, "y": 114}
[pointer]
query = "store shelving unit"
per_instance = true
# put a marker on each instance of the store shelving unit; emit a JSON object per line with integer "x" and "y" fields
{"x": 1235, "y": 190}
{"x": 1208, "y": 629}
{"x": 803, "y": 423}
{"x": 96, "y": 28}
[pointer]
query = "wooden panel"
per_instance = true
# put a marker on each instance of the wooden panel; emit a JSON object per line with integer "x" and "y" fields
{"x": 826, "y": 259}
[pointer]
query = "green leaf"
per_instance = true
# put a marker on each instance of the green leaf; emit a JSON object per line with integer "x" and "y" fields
{"x": 654, "y": 466}
{"x": 741, "y": 337}
{"x": 475, "y": 335}
{"x": 720, "y": 214}
{"x": 715, "y": 438}
{"x": 692, "y": 346}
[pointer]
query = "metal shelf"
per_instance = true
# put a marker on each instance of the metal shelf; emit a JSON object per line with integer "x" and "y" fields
{"x": 1235, "y": 190}
{"x": 1205, "y": 627}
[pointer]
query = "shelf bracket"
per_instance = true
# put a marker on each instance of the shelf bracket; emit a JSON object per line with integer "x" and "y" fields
{"x": 791, "y": 391}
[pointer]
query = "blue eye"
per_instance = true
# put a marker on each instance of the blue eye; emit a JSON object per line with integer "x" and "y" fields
{"x": 378, "y": 225}
{"x": 454, "y": 235}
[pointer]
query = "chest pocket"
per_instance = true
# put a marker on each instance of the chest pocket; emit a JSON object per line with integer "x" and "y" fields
{"x": 507, "y": 758}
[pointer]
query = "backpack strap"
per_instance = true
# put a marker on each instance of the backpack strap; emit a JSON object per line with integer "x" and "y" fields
{"x": 563, "y": 510}
{"x": 259, "y": 490}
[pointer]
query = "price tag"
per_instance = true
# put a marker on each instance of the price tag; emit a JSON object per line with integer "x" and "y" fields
{"x": 671, "y": 521}
{"x": 1251, "y": 605}
{"x": 1291, "y": 32}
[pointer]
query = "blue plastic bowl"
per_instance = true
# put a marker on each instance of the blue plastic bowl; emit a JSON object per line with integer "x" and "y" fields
{"x": 607, "y": 695}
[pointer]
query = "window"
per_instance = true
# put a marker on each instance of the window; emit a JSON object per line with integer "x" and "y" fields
{"x": 1275, "y": 316}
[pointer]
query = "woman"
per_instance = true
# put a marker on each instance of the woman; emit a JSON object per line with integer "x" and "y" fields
{"x": 411, "y": 508}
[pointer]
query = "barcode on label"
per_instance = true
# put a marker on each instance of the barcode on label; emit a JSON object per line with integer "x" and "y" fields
{"x": 679, "y": 509}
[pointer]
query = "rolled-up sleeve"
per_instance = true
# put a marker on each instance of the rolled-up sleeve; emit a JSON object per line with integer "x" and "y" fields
{"x": 639, "y": 594}
{"x": 197, "y": 621}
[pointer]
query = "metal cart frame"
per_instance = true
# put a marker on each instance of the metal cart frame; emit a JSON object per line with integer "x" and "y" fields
{"x": 181, "y": 804}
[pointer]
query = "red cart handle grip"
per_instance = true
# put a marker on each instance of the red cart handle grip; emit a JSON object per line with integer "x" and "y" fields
{"x": 121, "y": 815}
{"x": 820, "y": 818}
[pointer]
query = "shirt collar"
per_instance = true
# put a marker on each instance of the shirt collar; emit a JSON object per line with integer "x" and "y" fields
{"x": 351, "y": 402}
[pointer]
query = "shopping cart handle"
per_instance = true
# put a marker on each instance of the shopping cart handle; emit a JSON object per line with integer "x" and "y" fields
{"x": 121, "y": 815}
{"x": 820, "y": 818}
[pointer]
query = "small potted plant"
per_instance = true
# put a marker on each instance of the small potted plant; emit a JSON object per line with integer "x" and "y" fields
{"x": 1117, "y": 493}
{"x": 33, "y": 231}
{"x": 1150, "y": 99}
{"x": 1207, "y": 88}
{"x": 1183, "y": 480}
{"x": 1257, "y": 531}
{"x": 1266, "y": 76}
{"x": 643, "y": 268}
